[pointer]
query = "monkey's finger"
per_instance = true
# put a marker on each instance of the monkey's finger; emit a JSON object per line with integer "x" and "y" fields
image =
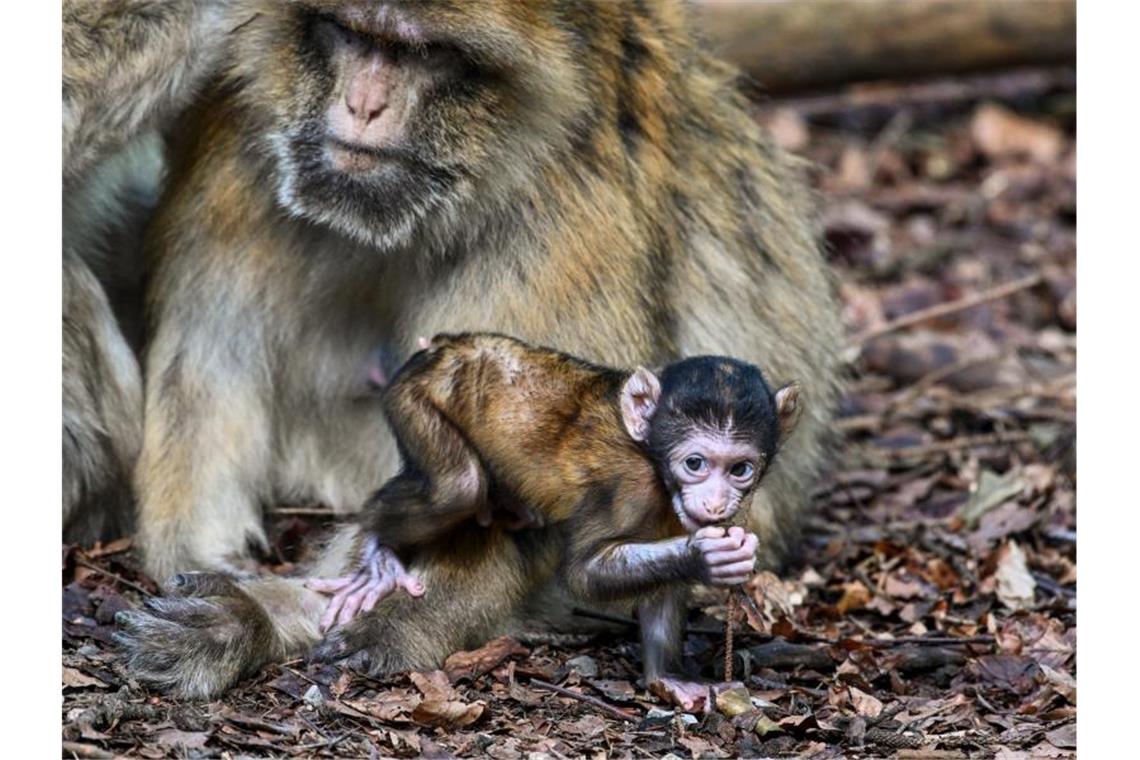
{"x": 709, "y": 546}
{"x": 372, "y": 598}
{"x": 739, "y": 570}
{"x": 730, "y": 557}
{"x": 410, "y": 583}
{"x": 709, "y": 531}
{"x": 354, "y": 601}
{"x": 336, "y": 604}
{"x": 329, "y": 585}
{"x": 737, "y": 534}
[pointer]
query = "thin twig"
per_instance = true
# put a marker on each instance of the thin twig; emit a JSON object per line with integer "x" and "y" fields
{"x": 113, "y": 576}
{"x": 955, "y": 444}
{"x": 948, "y": 308}
{"x": 598, "y": 703}
{"x": 77, "y": 749}
{"x": 730, "y": 605}
{"x": 702, "y": 630}
{"x": 928, "y": 641}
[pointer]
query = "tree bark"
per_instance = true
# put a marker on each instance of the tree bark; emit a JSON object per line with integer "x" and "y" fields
{"x": 798, "y": 44}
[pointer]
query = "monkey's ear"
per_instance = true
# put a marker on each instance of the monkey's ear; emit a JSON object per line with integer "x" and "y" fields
{"x": 788, "y": 408}
{"x": 639, "y": 397}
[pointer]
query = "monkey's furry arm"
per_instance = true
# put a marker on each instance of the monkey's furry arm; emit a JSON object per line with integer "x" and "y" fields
{"x": 632, "y": 569}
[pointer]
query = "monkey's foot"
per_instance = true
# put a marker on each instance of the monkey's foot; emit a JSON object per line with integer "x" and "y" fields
{"x": 380, "y": 573}
{"x": 380, "y": 644}
{"x": 198, "y": 640}
{"x": 690, "y": 696}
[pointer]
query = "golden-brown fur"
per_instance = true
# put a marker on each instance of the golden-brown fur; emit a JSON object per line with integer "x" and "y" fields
{"x": 631, "y": 214}
{"x": 596, "y": 185}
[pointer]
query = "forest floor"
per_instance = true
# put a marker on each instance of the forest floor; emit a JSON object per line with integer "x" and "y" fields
{"x": 932, "y": 613}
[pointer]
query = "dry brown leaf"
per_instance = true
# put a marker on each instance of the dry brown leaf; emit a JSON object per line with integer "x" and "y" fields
{"x": 855, "y": 596}
{"x": 433, "y": 684}
{"x": 172, "y": 737}
{"x": 999, "y": 132}
{"x": 788, "y": 129}
{"x": 482, "y": 660}
{"x": 1015, "y": 585}
{"x": 74, "y": 679}
{"x": 448, "y": 713}
{"x": 865, "y": 704}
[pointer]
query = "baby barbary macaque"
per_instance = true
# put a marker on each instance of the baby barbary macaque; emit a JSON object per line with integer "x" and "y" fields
{"x": 640, "y": 473}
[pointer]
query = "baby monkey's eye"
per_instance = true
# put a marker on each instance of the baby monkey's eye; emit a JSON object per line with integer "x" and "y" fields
{"x": 742, "y": 470}
{"x": 694, "y": 463}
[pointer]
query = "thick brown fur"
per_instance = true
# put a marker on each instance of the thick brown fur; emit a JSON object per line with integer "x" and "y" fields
{"x": 599, "y": 186}
{"x": 478, "y": 417}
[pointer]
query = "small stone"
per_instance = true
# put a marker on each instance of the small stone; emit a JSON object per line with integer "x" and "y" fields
{"x": 689, "y": 719}
{"x": 586, "y": 666}
{"x": 733, "y": 701}
{"x": 656, "y": 713}
{"x": 765, "y": 725}
{"x": 313, "y": 697}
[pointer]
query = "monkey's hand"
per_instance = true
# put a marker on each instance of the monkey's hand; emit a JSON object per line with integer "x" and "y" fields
{"x": 199, "y": 639}
{"x": 723, "y": 557}
{"x": 380, "y": 573}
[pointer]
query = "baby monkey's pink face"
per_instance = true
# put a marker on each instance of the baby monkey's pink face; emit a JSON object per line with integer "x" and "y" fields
{"x": 715, "y": 474}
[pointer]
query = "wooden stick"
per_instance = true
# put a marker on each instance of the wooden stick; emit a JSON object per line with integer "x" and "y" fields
{"x": 946, "y": 309}
{"x": 598, "y": 703}
{"x": 107, "y": 573}
{"x": 954, "y": 444}
{"x": 729, "y": 614}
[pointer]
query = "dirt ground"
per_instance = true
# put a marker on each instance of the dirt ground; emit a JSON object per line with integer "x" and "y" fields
{"x": 933, "y": 611}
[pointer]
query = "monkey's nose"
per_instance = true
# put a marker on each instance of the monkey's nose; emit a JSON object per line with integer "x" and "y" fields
{"x": 716, "y": 508}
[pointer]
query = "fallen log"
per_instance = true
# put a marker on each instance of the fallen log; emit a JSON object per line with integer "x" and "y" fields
{"x": 787, "y": 45}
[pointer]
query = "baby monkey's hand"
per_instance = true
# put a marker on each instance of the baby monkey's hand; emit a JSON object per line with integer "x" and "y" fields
{"x": 380, "y": 573}
{"x": 725, "y": 557}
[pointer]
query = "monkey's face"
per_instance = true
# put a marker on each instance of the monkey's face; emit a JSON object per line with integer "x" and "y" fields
{"x": 712, "y": 475}
{"x": 383, "y": 117}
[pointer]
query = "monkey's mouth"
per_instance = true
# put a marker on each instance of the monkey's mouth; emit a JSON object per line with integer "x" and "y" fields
{"x": 354, "y": 158}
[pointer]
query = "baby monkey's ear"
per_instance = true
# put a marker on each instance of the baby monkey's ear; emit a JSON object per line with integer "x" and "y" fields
{"x": 788, "y": 408}
{"x": 639, "y": 398}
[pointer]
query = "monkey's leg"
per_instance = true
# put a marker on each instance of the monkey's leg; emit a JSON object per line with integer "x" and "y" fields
{"x": 661, "y": 617}
{"x": 209, "y": 631}
{"x": 475, "y": 582}
{"x": 207, "y": 454}
{"x": 102, "y": 411}
{"x": 453, "y": 477}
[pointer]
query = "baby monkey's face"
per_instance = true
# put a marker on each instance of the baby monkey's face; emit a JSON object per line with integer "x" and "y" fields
{"x": 714, "y": 474}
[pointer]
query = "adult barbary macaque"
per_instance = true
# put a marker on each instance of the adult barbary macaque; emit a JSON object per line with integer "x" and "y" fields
{"x": 577, "y": 174}
{"x": 128, "y": 67}
{"x": 633, "y": 477}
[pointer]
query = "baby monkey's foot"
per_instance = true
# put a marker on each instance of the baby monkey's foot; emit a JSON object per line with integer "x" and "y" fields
{"x": 690, "y": 696}
{"x": 379, "y": 574}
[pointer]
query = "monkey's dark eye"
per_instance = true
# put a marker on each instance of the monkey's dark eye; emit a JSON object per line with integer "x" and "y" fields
{"x": 742, "y": 470}
{"x": 694, "y": 463}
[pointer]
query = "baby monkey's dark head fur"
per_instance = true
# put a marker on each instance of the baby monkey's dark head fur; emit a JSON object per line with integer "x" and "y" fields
{"x": 711, "y": 425}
